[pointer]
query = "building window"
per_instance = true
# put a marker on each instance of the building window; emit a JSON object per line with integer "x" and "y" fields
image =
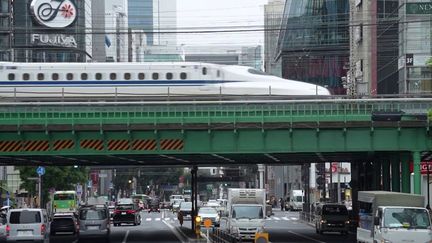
{"x": 155, "y": 76}
{"x": 141, "y": 76}
{"x": 204, "y": 71}
{"x": 169, "y": 76}
{"x": 113, "y": 76}
{"x": 26, "y": 76}
{"x": 127, "y": 76}
{"x": 84, "y": 76}
{"x": 40, "y": 76}
{"x": 98, "y": 76}
{"x": 69, "y": 76}
{"x": 183, "y": 76}
{"x": 55, "y": 76}
{"x": 11, "y": 76}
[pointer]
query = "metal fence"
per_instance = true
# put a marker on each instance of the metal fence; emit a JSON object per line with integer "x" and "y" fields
{"x": 222, "y": 236}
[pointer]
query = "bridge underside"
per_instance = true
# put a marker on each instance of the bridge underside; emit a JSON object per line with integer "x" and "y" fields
{"x": 199, "y": 159}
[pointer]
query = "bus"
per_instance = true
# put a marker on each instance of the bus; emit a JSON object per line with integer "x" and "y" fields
{"x": 145, "y": 199}
{"x": 65, "y": 202}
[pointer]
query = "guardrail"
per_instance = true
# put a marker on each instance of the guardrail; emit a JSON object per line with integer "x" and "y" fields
{"x": 223, "y": 236}
{"x": 308, "y": 217}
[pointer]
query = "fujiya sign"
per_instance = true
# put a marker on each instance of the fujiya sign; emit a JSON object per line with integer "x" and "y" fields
{"x": 419, "y": 8}
{"x": 54, "y": 40}
{"x": 54, "y": 13}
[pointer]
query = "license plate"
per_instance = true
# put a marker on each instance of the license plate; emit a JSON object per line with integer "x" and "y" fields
{"x": 25, "y": 233}
{"x": 123, "y": 213}
{"x": 93, "y": 227}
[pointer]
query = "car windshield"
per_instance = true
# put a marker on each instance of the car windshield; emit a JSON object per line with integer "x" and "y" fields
{"x": 25, "y": 217}
{"x": 334, "y": 210}
{"x": 249, "y": 212}
{"x": 186, "y": 205}
{"x": 124, "y": 207}
{"x": 406, "y": 218}
{"x": 298, "y": 198}
{"x": 64, "y": 196}
{"x": 92, "y": 214}
{"x": 207, "y": 211}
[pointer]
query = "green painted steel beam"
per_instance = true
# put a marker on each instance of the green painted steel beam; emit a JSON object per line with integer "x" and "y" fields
{"x": 417, "y": 176}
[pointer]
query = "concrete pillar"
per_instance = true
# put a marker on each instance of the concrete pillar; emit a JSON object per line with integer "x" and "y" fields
{"x": 261, "y": 176}
{"x": 385, "y": 165}
{"x": 395, "y": 174}
{"x": 405, "y": 172}
{"x": 416, "y": 170}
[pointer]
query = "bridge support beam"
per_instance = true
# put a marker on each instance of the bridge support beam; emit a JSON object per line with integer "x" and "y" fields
{"x": 395, "y": 173}
{"x": 385, "y": 165}
{"x": 416, "y": 170}
{"x": 376, "y": 175}
{"x": 406, "y": 187}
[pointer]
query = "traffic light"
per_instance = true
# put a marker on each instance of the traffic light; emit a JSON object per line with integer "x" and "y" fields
{"x": 320, "y": 168}
{"x": 198, "y": 226}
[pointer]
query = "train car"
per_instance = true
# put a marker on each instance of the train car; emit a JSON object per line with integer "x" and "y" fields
{"x": 143, "y": 79}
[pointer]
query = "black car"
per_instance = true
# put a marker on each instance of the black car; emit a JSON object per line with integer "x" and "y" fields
{"x": 64, "y": 224}
{"x": 127, "y": 214}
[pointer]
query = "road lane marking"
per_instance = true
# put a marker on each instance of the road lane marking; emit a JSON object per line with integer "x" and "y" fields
{"x": 276, "y": 218}
{"x": 167, "y": 219}
{"x": 178, "y": 233}
{"x": 293, "y": 218}
{"x": 158, "y": 219}
{"x": 305, "y": 237}
{"x": 126, "y": 236}
{"x": 285, "y": 218}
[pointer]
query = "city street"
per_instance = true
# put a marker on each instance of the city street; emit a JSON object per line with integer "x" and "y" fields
{"x": 164, "y": 227}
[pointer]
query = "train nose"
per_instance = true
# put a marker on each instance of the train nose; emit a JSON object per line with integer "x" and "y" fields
{"x": 322, "y": 91}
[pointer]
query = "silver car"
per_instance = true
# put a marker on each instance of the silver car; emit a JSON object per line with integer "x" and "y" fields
{"x": 94, "y": 222}
{"x": 30, "y": 224}
{"x": 209, "y": 213}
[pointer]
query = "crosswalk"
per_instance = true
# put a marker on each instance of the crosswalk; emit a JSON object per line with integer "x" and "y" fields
{"x": 272, "y": 218}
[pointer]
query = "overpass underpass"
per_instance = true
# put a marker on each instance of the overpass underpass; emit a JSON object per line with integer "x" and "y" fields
{"x": 371, "y": 133}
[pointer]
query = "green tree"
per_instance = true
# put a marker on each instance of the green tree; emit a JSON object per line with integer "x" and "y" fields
{"x": 56, "y": 177}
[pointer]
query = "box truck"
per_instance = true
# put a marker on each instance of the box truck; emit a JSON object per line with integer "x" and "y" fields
{"x": 246, "y": 212}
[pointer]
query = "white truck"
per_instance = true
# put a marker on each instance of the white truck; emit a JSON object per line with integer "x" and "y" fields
{"x": 295, "y": 201}
{"x": 392, "y": 217}
{"x": 246, "y": 212}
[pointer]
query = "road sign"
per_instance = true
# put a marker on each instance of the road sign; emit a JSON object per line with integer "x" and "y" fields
{"x": 40, "y": 170}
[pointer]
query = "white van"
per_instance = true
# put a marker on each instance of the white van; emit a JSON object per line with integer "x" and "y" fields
{"x": 173, "y": 198}
{"x": 29, "y": 224}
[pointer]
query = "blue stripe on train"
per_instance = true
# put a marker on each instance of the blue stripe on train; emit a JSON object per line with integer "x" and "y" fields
{"x": 117, "y": 82}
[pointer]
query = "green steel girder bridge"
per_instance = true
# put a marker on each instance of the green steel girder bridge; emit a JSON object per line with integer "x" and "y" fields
{"x": 201, "y": 133}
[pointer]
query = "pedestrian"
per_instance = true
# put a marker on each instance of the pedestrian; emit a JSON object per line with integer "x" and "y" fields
{"x": 281, "y": 201}
{"x": 180, "y": 217}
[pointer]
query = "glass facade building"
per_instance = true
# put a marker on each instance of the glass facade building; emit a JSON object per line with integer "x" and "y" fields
{"x": 140, "y": 17}
{"x": 314, "y": 42}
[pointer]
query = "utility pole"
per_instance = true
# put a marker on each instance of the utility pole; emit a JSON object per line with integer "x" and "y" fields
{"x": 338, "y": 182}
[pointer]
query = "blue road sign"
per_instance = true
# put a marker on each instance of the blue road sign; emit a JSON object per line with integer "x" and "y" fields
{"x": 40, "y": 170}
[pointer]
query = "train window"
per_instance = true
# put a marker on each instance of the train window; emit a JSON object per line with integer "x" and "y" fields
{"x": 98, "y": 76}
{"x": 204, "y": 71}
{"x": 127, "y": 76}
{"x": 40, "y": 76}
{"x": 169, "y": 76}
{"x": 155, "y": 76}
{"x": 11, "y": 76}
{"x": 183, "y": 76}
{"x": 258, "y": 72}
{"x": 113, "y": 76}
{"x": 84, "y": 76}
{"x": 55, "y": 76}
{"x": 26, "y": 76}
{"x": 69, "y": 76}
{"x": 141, "y": 76}
{"x": 218, "y": 73}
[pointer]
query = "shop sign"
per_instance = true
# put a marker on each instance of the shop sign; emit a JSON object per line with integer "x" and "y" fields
{"x": 419, "y": 8}
{"x": 54, "y": 40}
{"x": 54, "y": 14}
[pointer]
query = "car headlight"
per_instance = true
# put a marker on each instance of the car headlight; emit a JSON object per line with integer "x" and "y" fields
{"x": 347, "y": 222}
{"x": 323, "y": 221}
{"x": 385, "y": 241}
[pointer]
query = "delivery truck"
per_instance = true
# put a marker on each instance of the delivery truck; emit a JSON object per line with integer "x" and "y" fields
{"x": 392, "y": 217}
{"x": 246, "y": 212}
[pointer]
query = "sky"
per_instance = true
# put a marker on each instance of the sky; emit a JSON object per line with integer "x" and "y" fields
{"x": 220, "y": 15}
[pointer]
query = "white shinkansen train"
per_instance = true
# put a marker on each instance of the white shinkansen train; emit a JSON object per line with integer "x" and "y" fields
{"x": 143, "y": 79}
